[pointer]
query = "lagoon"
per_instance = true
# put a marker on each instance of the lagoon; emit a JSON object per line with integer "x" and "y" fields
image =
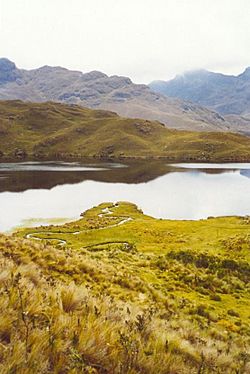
{"x": 36, "y": 193}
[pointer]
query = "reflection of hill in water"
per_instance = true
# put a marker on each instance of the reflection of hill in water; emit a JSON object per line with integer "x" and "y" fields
{"x": 142, "y": 172}
{"x": 17, "y": 181}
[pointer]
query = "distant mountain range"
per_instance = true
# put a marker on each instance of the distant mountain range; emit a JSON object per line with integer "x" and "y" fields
{"x": 226, "y": 94}
{"x": 115, "y": 93}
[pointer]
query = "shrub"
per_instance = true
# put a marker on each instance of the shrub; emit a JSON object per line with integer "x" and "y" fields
{"x": 233, "y": 313}
{"x": 215, "y": 297}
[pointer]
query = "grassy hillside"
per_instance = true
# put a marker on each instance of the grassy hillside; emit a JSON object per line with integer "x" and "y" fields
{"x": 121, "y": 292}
{"x": 49, "y": 130}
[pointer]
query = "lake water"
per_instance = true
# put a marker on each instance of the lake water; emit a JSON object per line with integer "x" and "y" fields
{"x": 43, "y": 191}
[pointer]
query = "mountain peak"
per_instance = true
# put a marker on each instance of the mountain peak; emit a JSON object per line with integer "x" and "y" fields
{"x": 246, "y": 73}
{"x": 8, "y": 71}
{"x": 6, "y": 64}
{"x": 94, "y": 74}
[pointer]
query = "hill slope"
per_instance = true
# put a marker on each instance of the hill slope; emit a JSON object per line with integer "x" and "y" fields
{"x": 121, "y": 292}
{"x": 97, "y": 90}
{"x": 225, "y": 94}
{"x": 57, "y": 130}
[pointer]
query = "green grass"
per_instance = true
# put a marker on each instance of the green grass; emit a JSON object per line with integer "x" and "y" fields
{"x": 49, "y": 130}
{"x": 145, "y": 296}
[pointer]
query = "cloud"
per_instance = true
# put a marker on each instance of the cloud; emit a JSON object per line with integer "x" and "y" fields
{"x": 143, "y": 39}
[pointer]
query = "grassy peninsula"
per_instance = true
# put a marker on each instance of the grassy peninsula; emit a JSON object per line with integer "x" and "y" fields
{"x": 53, "y": 130}
{"x": 121, "y": 292}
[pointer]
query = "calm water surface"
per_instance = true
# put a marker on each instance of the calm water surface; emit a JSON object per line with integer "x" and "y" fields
{"x": 42, "y": 191}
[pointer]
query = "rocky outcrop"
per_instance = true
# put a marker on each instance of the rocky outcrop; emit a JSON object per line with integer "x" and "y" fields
{"x": 8, "y": 71}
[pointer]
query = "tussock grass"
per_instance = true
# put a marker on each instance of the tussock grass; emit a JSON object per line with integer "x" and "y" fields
{"x": 170, "y": 305}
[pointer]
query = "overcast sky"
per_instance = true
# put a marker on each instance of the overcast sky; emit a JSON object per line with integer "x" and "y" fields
{"x": 142, "y": 39}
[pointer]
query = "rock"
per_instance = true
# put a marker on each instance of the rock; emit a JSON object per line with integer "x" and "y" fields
{"x": 8, "y": 71}
{"x": 106, "y": 152}
{"x": 143, "y": 128}
{"x": 20, "y": 153}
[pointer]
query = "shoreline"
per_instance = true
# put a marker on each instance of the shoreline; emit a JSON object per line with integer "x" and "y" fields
{"x": 55, "y": 221}
{"x": 115, "y": 159}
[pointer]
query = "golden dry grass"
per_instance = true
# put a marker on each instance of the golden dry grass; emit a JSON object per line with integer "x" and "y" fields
{"x": 96, "y": 305}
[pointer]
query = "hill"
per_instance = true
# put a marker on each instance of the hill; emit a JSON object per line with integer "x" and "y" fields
{"x": 53, "y": 130}
{"x": 97, "y": 90}
{"x": 226, "y": 94}
{"x": 121, "y": 292}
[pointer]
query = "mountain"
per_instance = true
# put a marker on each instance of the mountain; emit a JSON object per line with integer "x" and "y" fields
{"x": 54, "y": 130}
{"x": 97, "y": 90}
{"x": 226, "y": 94}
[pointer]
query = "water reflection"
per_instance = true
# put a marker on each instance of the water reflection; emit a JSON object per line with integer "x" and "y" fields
{"x": 245, "y": 173}
{"x": 160, "y": 190}
{"x": 20, "y": 177}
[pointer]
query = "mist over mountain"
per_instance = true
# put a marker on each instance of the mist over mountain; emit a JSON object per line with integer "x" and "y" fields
{"x": 97, "y": 90}
{"x": 226, "y": 94}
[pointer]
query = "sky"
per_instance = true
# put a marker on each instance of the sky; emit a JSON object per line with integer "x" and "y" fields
{"x": 143, "y": 39}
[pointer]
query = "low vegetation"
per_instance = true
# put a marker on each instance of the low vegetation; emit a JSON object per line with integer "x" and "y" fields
{"x": 121, "y": 292}
{"x": 53, "y": 130}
